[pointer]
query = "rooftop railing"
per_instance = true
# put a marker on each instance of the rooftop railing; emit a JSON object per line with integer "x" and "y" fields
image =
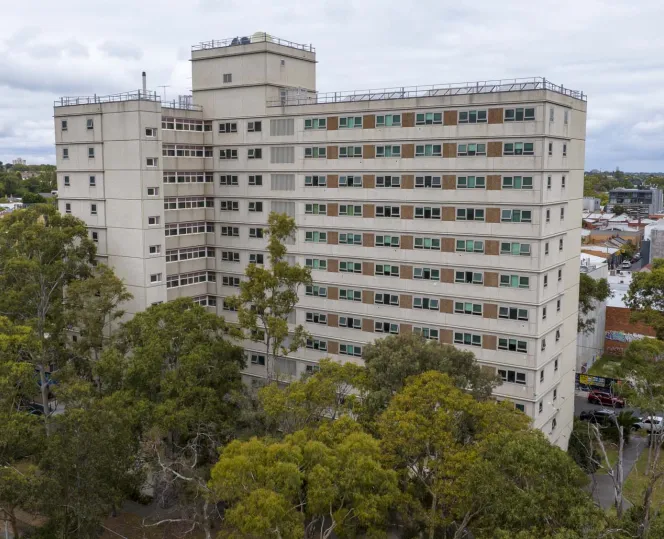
{"x": 180, "y": 105}
{"x": 94, "y": 99}
{"x": 258, "y": 37}
{"x": 437, "y": 90}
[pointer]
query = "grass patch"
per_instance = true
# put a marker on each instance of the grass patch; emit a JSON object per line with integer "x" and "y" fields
{"x": 607, "y": 366}
{"x": 636, "y": 482}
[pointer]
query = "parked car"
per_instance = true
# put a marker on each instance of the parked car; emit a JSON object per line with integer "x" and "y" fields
{"x": 601, "y": 417}
{"x": 626, "y": 264}
{"x": 650, "y": 424}
{"x": 605, "y": 398}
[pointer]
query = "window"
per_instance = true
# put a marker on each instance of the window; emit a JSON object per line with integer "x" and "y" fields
{"x": 228, "y": 153}
{"x": 151, "y": 162}
{"x": 91, "y": 153}
{"x": 315, "y": 181}
{"x": 431, "y": 244}
{"x": 254, "y": 127}
{"x": 512, "y": 345}
{"x": 387, "y": 270}
{"x": 150, "y": 132}
{"x": 519, "y": 114}
{"x": 316, "y": 263}
{"x": 548, "y": 216}
{"x": 388, "y": 120}
{"x": 468, "y": 277}
{"x": 90, "y": 123}
{"x": 560, "y": 244}
{"x": 229, "y": 205}
{"x": 154, "y": 249}
{"x": 385, "y": 298}
{"x": 350, "y": 266}
{"x": 257, "y": 359}
{"x": 427, "y": 212}
{"x": 469, "y": 246}
{"x": 256, "y": 207}
{"x": 429, "y": 118}
{"x": 188, "y": 177}
{"x": 95, "y": 237}
{"x": 554, "y": 424}
{"x": 562, "y": 214}
{"x": 347, "y": 294}
{"x": 517, "y": 249}
{"x": 512, "y": 377}
{"x": 93, "y": 209}
{"x": 548, "y": 182}
{"x": 517, "y": 182}
{"x": 543, "y": 313}
{"x": 388, "y": 181}
{"x": 317, "y": 318}
{"x": 518, "y": 148}
{"x": 564, "y": 150}
{"x": 540, "y": 408}
{"x": 386, "y": 327}
{"x": 228, "y": 78}
{"x": 315, "y": 123}
{"x": 560, "y": 275}
{"x": 316, "y": 344}
{"x": 566, "y": 117}
{"x": 348, "y": 238}
{"x": 66, "y": 179}
{"x": 557, "y": 335}
{"x": 388, "y": 211}
{"x": 227, "y": 127}
{"x": 230, "y": 256}
{"x": 464, "y": 150}
{"x": 255, "y": 153}
{"x": 316, "y": 291}
{"x": 351, "y": 151}
{"x": 468, "y": 339}
{"x": 432, "y": 182}
{"x": 550, "y": 148}
{"x": 461, "y": 307}
{"x": 514, "y": 281}
{"x": 471, "y": 182}
{"x": 555, "y": 365}
{"x": 63, "y": 125}
{"x": 314, "y": 236}
{"x": 428, "y": 333}
{"x": 520, "y": 407}
{"x": 155, "y": 278}
{"x": 350, "y": 322}
{"x": 350, "y": 210}
{"x": 543, "y": 345}
{"x": 65, "y": 153}
{"x": 67, "y": 207}
{"x": 546, "y": 248}
{"x": 256, "y": 258}
{"x": 181, "y": 229}
{"x": 189, "y": 253}
{"x": 551, "y": 114}
{"x": 432, "y": 304}
{"x": 350, "y": 181}
{"x": 563, "y": 182}
{"x": 154, "y": 220}
{"x": 152, "y": 191}
{"x": 546, "y": 281}
{"x": 470, "y": 214}
{"x": 253, "y": 232}
{"x": 255, "y": 179}
{"x": 516, "y": 216}
{"x": 472, "y": 116}
{"x": 350, "y": 122}
{"x": 316, "y": 152}
{"x": 513, "y": 313}
{"x": 387, "y": 241}
{"x": 428, "y": 150}
{"x": 225, "y": 179}
{"x": 350, "y": 350}
{"x": 426, "y": 274}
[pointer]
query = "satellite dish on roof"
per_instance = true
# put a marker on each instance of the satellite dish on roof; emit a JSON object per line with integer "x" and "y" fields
{"x": 257, "y": 37}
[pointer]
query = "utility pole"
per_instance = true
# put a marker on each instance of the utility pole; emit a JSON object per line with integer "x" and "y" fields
{"x": 164, "y": 86}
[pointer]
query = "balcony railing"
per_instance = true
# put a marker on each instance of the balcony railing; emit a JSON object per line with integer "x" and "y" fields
{"x": 296, "y": 96}
{"x": 258, "y": 37}
{"x": 94, "y": 99}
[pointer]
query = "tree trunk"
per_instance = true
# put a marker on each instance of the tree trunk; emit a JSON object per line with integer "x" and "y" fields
{"x": 647, "y": 496}
{"x": 432, "y": 517}
{"x": 619, "y": 473}
{"x": 44, "y": 396}
{"x": 207, "y": 529}
{"x": 13, "y": 523}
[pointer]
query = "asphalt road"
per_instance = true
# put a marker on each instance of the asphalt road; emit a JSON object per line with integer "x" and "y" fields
{"x": 581, "y": 404}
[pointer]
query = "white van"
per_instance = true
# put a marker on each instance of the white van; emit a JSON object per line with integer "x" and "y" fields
{"x": 626, "y": 264}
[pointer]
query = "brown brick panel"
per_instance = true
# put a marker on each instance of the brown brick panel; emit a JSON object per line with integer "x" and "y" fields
{"x": 369, "y": 181}
{"x": 618, "y": 319}
{"x": 407, "y": 151}
{"x": 333, "y": 320}
{"x": 408, "y": 119}
{"x": 447, "y": 245}
{"x": 493, "y": 215}
{"x": 494, "y": 149}
{"x": 369, "y": 151}
{"x": 333, "y": 152}
{"x": 368, "y": 210}
{"x": 332, "y": 292}
{"x": 369, "y": 121}
{"x": 449, "y": 181}
{"x": 407, "y": 212}
{"x": 446, "y": 306}
{"x": 406, "y": 329}
{"x": 493, "y": 182}
{"x": 450, "y": 117}
{"x": 496, "y": 116}
{"x": 333, "y": 180}
{"x": 491, "y": 279}
{"x": 332, "y": 238}
{"x": 449, "y": 149}
{"x": 406, "y": 242}
{"x": 367, "y": 268}
{"x": 406, "y": 272}
{"x": 405, "y": 301}
{"x": 333, "y": 209}
{"x": 332, "y": 265}
{"x": 367, "y": 325}
{"x": 447, "y": 275}
{"x": 368, "y": 239}
{"x": 490, "y": 310}
{"x": 448, "y": 213}
{"x": 333, "y": 347}
{"x": 446, "y": 336}
{"x": 368, "y": 297}
{"x": 332, "y": 123}
{"x": 408, "y": 181}
{"x": 492, "y": 247}
{"x": 489, "y": 342}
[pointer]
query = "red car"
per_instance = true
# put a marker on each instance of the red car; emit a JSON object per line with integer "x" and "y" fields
{"x": 606, "y": 399}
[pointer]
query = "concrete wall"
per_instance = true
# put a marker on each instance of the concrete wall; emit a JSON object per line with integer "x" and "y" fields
{"x": 590, "y": 346}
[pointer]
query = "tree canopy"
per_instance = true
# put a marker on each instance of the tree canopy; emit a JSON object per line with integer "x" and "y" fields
{"x": 645, "y": 297}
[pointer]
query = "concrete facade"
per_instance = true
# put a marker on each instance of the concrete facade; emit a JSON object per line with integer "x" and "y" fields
{"x": 448, "y": 211}
{"x": 590, "y": 345}
{"x": 637, "y": 202}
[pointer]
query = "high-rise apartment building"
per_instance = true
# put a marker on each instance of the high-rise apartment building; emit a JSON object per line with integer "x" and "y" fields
{"x": 451, "y": 210}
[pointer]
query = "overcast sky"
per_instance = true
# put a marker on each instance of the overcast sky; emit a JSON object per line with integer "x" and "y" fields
{"x": 612, "y": 50}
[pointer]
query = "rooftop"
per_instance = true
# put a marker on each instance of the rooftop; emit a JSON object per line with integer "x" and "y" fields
{"x": 93, "y": 99}
{"x": 619, "y": 285}
{"x": 437, "y": 90}
{"x": 257, "y": 37}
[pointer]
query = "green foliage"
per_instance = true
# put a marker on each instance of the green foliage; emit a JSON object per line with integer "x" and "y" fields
{"x": 33, "y": 198}
{"x": 619, "y": 209}
{"x": 591, "y": 291}
{"x": 596, "y": 184}
{"x": 581, "y": 447}
{"x": 628, "y": 250}
{"x": 269, "y": 295}
{"x": 645, "y": 297}
{"x": 44, "y": 181}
